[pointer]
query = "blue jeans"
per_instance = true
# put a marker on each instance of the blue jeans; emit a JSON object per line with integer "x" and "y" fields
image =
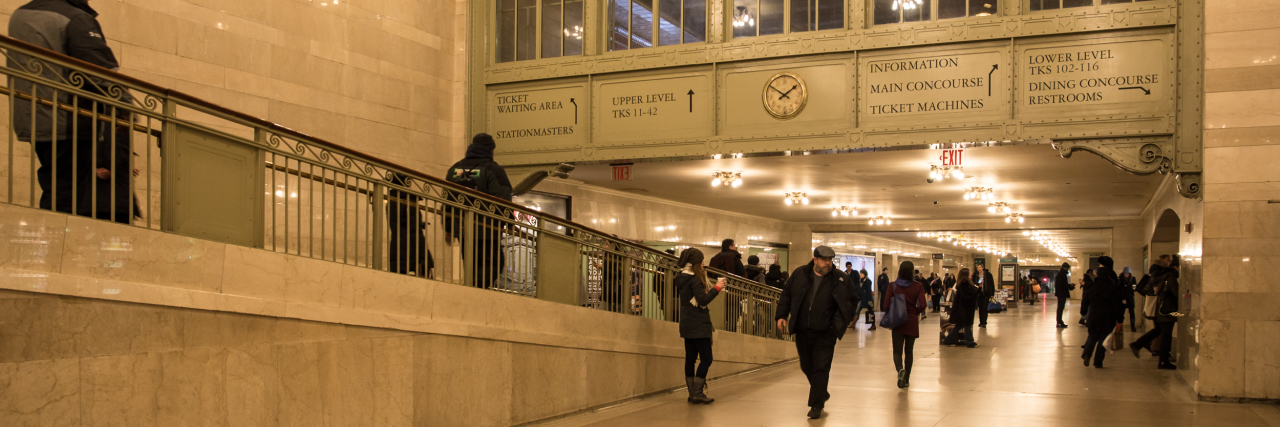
{"x": 955, "y": 335}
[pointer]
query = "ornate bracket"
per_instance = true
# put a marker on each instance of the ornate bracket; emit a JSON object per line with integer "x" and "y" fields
{"x": 1190, "y": 185}
{"x": 1141, "y": 156}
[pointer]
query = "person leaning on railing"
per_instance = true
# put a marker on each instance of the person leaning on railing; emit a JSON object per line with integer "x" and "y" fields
{"x": 696, "y": 292}
{"x": 479, "y": 172}
{"x": 71, "y": 27}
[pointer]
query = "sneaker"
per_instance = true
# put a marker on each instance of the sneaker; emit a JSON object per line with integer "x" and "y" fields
{"x": 902, "y": 375}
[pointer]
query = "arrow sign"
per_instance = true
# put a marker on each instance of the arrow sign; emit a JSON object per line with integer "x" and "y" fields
{"x": 994, "y": 67}
{"x": 575, "y": 111}
{"x": 690, "y": 100}
{"x": 1147, "y": 92}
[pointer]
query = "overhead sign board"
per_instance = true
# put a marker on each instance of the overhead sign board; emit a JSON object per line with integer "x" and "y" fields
{"x": 538, "y": 117}
{"x": 932, "y": 83}
{"x": 652, "y": 108}
{"x": 1093, "y": 74}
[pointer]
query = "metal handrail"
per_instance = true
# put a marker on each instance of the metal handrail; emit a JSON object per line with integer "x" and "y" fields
{"x": 479, "y": 222}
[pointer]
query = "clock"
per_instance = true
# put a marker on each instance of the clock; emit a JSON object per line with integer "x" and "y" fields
{"x": 785, "y": 95}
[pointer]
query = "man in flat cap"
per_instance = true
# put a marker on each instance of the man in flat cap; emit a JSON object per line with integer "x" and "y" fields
{"x": 819, "y": 300}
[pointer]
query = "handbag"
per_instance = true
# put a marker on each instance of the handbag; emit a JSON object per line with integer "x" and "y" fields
{"x": 896, "y": 314}
{"x": 994, "y": 307}
{"x": 1117, "y": 338}
{"x": 1035, "y": 289}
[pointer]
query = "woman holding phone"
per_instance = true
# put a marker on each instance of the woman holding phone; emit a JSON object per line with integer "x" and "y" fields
{"x": 696, "y": 292}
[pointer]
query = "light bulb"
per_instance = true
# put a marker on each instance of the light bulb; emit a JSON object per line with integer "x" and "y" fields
{"x": 888, "y": 221}
{"x": 788, "y": 200}
{"x": 833, "y": 213}
{"x": 871, "y": 222}
{"x": 844, "y": 213}
{"x": 805, "y": 200}
{"x": 715, "y": 182}
{"x": 1021, "y": 220}
{"x": 1007, "y": 220}
{"x": 737, "y": 182}
{"x": 991, "y": 209}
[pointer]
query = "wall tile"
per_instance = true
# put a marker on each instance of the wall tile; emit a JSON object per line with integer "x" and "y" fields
{"x": 1261, "y": 351}
{"x": 459, "y": 381}
{"x": 393, "y": 382}
{"x": 192, "y": 388}
{"x": 1221, "y": 361}
{"x": 253, "y": 396}
{"x": 366, "y": 289}
{"x": 346, "y": 375}
{"x": 42, "y": 393}
{"x": 120, "y": 390}
{"x": 1242, "y": 48}
{"x": 535, "y": 369}
{"x": 1234, "y": 220}
{"x": 1242, "y": 78}
{"x": 301, "y": 396}
{"x": 264, "y": 274}
{"x": 35, "y": 238}
{"x": 1241, "y": 109}
{"x": 1230, "y": 165}
{"x": 118, "y": 252}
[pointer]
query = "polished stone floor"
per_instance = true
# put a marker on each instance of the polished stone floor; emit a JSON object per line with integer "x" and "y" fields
{"x": 1025, "y": 372}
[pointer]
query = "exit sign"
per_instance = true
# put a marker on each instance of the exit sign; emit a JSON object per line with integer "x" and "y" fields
{"x": 622, "y": 172}
{"x": 952, "y": 157}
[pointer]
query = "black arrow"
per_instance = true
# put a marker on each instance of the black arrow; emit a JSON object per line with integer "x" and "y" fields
{"x": 690, "y": 100}
{"x": 994, "y": 67}
{"x": 575, "y": 111}
{"x": 1148, "y": 92}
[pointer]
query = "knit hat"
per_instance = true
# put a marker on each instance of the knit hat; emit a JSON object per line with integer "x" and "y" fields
{"x": 753, "y": 260}
{"x": 1128, "y": 271}
{"x": 1107, "y": 262}
{"x": 482, "y": 146}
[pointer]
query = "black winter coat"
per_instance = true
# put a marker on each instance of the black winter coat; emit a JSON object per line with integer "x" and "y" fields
{"x": 695, "y": 321}
{"x": 836, "y": 299}
{"x": 1104, "y": 297}
{"x": 988, "y": 287}
{"x": 1126, "y": 288}
{"x": 1062, "y": 284}
{"x": 730, "y": 261}
{"x": 964, "y": 303}
{"x": 1165, "y": 288}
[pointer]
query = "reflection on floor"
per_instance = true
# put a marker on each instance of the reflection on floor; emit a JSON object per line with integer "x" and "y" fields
{"x": 1025, "y": 372}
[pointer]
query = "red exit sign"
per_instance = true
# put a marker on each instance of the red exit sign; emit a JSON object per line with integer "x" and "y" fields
{"x": 952, "y": 157}
{"x": 622, "y": 172}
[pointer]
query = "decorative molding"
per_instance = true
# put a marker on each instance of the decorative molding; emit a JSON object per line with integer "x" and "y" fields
{"x": 1141, "y": 156}
{"x": 1191, "y": 185}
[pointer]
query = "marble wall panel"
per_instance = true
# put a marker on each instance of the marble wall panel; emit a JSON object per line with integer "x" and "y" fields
{"x": 1261, "y": 351}
{"x": 1240, "y": 109}
{"x": 1235, "y": 274}
{"x": 393, "y": 366}
{"x": 192, "y": 388}
{"x": 301, "y": 396}
{"x": 613, "y": 376}
{"x": 43, "y": 393}
{"x": 346, "y": 381}
{"x": 120, "y": 390}
{"x": 535, "y": 370}
{"x": 1242, "y": 48}
{"x": 35, "y": 239}
{"x": 119, "y": 252}
{"x": 459, "y": 381}
{"x": 270, "y": 275}
{"x": 664, "y": 372}
{"x": 383, "y": 292}
{"x": 1221, "y": 358}
{"x": 252, "y": 386}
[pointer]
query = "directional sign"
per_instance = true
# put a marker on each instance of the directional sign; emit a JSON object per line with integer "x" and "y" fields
{"x": 931, "y": 84}
{"x": 537, "y": 117}
{"x": 1093, "y": 74}
{"x": 652, "y": 108}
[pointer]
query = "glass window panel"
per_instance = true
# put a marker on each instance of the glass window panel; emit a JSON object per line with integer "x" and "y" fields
{"x": 948, "y": 9}
{"x": 1116, "y": 1}
{"x": 1076, "y": 3}
{"x": 1045, "y": 5}
{"x": 669, "y": 22}
{"x": 803, "y": 16}
{"x": 695, "y": 21}
{"x": 983, "y": 7}
{"x": 641, "y": 23}
{"x": 619, "y": 24}
{"x": 886, "y": 13}
{"x": 746, "y": 17}
{"x": 916, "y": 10}
{"x": 552, "y": 32}
{"x": 526, "y": 29}
{"x": 506, "y": 37}
{"x": 830, "y": 14}
{"x": 772, "y": 16}
{"x": 573, "y": 27}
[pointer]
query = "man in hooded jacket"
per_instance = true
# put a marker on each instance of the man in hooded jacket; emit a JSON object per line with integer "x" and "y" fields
{"x": 479, "y": 172}
{"x": 1062, "y": 289}
{"x": 819, "y": 300}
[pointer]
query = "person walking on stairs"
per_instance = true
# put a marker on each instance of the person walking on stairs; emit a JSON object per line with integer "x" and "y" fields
{"x": 905, "y": 334}
{"x": 819, "y": 300}
{"x": 695, "y": 321}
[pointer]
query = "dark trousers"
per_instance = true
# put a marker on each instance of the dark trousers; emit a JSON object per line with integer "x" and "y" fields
{"x": 487, "y": 257}
{"x": 1093, "y": 345}
{"x": 903, "y": 347}
{"x": 871, "y": 313}
{"x": 76, "y": 179}
{"x": 959, "y": 332}
{"x": 982, "y": 311}
{"x": 1132, "y": 322}
{"x": 1164, "y": 330}
{"x": 695, "y": 348}
{"x": 816, "y": 349}
{"x": 937, "y": 298}
{"x": 1062, "y": 305}
{"x": 408, "y": 252}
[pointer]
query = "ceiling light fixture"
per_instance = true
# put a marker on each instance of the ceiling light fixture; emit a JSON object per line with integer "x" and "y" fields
{"x": 907, "y": 4}
{"x": 998, "y": 208}
{"x": 979, "y": 193}
{"x": 844, "y": 211}
{"x": 742, "y": 17}
{"x": 796, "y": 197}
{"x": 880, "y": 220}
{"x": 1014, "y": 217}
{"x": 726, "y": 178}
{"x": 939, "y": 173}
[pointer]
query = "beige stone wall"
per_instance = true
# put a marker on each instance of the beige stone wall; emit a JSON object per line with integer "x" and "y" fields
{"x": 385, "y": 77}
{"x": 1241, "y": 324}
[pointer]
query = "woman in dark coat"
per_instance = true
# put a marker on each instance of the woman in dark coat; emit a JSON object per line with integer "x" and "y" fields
{"x": 962, "y": 307}
{"x": 1106, "y": 302}
{"x": 1084, "y": 290}
{"x": 775, "y": 277}
{"x": 695, "y": 320}
{"x": 904, "y": 336}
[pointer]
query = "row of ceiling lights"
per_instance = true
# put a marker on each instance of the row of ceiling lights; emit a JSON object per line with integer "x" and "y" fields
{"x": 1047, "y": 241}
{"x": 959, "y": 240}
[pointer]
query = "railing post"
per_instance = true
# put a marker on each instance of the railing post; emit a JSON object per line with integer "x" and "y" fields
{"x": 260, "y": 178}
{"x": 468, "y": 238}
{"x": 378, "y": 216}
{"x": 168, "y": 158}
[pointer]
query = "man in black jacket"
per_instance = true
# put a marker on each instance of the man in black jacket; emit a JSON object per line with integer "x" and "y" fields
{"x": 986, "y": 289}
{"x": 1105, "y": 308}
{"x": 1163, "y": 286}
{"x": 819, "y": 300}
{"x": 479, "y": 172}
{"x": 729, "y": 259}
{"x": 882, "y": 283}
{"x": 1062, "y": 289}
{"x": 101, "y": 167}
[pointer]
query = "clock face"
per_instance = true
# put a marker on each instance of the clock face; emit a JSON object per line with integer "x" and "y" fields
{"x": 785, "y": 95}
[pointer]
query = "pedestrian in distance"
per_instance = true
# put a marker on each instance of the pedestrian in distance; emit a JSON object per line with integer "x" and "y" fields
{"x": 696, "y": 292}
{"x": 866, "y": 296}
{"x": 882, "y": 283}
{"x": 986, "y": 291}
{"x": 754, "y": 272}
{"x": 935, "y": 288}
{"x": 729, "y": 259}
{"x": 774, "y": 277}
{"x": 962, "y": 306}
{"x": 1162, "y": 290}
{"x": 905, "y": 334}
{"x": 1062, "y": 289}
{"x": 1106, "y": 305}
{"x": 479, "y": 172}
{"x": 1127, "y": 283}
{"x": 1084, "y": 289}
{"x": 817, "y": 305}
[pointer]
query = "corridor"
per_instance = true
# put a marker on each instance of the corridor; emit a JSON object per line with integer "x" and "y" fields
{"x": 1025, "y": 373}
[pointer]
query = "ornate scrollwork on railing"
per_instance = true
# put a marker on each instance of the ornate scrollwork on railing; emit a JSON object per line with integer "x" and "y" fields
{"x": 77, "y": 81}
{"x": 1140, "y": 156}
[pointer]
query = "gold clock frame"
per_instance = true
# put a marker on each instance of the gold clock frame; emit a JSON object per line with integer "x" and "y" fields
{"x": 764, "y": 96}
